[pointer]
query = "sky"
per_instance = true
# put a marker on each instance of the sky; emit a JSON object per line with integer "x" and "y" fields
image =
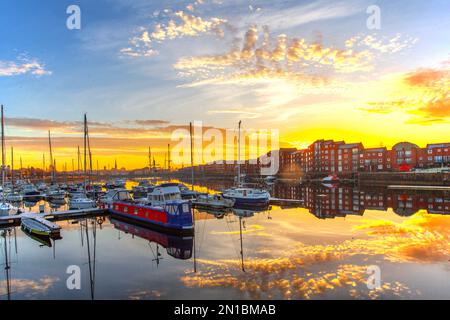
{"x": 143, "y": 69}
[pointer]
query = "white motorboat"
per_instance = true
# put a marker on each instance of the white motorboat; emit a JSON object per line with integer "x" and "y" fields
{"x": 7, "y": 209}
{"x": 56, "y": 194}
{"x": 81, "y": 203}
{"x": 14, "y": 197}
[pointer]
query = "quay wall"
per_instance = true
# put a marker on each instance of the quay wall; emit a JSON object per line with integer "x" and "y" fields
{"x": 403, "y": 178}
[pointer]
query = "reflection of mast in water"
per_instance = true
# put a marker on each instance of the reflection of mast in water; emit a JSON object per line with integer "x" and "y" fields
{"x": 242, "y": 246}
{"x": 158, "y": 254}
{"x": 7, "y": 261}
{"x": 91, "y": 262}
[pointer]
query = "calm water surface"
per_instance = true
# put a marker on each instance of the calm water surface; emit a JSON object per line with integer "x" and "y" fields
{"x": 320, "y": 250}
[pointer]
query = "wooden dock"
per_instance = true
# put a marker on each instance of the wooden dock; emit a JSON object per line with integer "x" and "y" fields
{"x": 6, "y": 221}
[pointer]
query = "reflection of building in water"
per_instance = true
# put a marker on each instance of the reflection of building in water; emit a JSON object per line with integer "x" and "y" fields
{"x": 340, "y": 201}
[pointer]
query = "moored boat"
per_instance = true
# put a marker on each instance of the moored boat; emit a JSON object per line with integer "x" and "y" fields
{"x": 247, "y": 197}
{"x": 40, "y": 226}
{"x": 163, "y": 209}
{"x": 213, "y": 201}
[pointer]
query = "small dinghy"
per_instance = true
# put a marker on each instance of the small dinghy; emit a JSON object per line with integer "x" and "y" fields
{"x": 213, "y": 201}
{"x": 39, "y": 226}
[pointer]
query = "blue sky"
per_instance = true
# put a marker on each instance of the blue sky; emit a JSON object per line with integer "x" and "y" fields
{"x": 165, "y": 78}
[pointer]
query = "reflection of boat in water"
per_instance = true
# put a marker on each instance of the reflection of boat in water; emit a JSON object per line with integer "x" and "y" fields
{"x": 57, "y": 203}
{"x": 243, "y": 212}
{"x": 176, "y": 246}
{"x": 45, "y": 240}
{"x": 331, "y": 179}
{"x": 213, "y": 201}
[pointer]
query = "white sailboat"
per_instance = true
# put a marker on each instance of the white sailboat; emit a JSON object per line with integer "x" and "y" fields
{"x": 244, "y": 196}
{"x": 82, "y": 201}
{"x": 5, "y": 207}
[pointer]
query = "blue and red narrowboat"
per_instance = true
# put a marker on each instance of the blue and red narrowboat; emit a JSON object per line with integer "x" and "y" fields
{"x": 162, "y": 209}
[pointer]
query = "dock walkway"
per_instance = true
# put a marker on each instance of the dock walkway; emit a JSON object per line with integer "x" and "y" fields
{"x": 15, "y": 220}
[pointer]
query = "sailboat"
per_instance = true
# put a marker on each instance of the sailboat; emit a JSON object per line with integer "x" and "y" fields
{"x": 244, "y": 196}
{"x": 5, "y": 207}
{"x": 82, "y": 201}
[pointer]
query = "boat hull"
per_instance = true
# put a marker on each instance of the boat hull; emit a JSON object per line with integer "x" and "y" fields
{"x": 152, "y": 224}
{"x": 249, "y": 202}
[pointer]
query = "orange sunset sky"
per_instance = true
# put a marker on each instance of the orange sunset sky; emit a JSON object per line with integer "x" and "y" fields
{"x": 142, "y": 69}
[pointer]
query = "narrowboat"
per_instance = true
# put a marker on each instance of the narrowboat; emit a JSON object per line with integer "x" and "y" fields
{"x": 162, "y": 209}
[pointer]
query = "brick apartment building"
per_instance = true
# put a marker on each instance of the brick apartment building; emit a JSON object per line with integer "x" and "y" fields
{"x": 325, "y": 157}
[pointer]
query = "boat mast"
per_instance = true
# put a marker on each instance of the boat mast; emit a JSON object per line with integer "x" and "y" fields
{"x": 73, "y": 171}
{"x": 52, "y": 167}
{"x": 43, "y": 167}
{"x": 85, "y": 150}
{"x": 192, "y": 156}
{"x": 21, "y": 174}
{"x": 12, "y": 167}
{"x": 149, "y": 160}
{"x": 79, "y": 160}
{"x": 239, "y": 156}
{"x": 3, "y": 158}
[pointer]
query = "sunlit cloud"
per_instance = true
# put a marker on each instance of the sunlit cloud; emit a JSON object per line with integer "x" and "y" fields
{"x": 296, "y": 60}
{"x": 23, "y": 66}
{"x": 422, "y": 93}
{"x": 181, "y": 25}
{"x": 422, "y": 239}
{"x": 27, "y": 286}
